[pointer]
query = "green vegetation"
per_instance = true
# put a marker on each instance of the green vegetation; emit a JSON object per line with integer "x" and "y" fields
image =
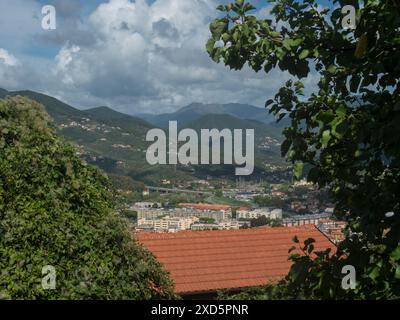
{"x": 130, "y": 214}
{"x": 56, "y": 210}
{"x": 346, "y": 130}
{"x": 269, "y": 201}
{"x": 225, "y": 200}
{"x": 206, "y": 220}
{"x": 264, "y": 221}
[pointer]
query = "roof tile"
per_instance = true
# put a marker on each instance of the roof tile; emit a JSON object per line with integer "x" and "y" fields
{"x": 224, "y": 259}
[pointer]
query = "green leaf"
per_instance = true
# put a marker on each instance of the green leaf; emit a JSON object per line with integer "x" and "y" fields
{"x": 374, "y": 273}
{"x": 269, "y": 101}
{"x": 326, "y": 136}
{"x": 239, "y": 3}
{"x": 298, "y": 169}
{"x": 210, "y": 45}
{"x": 304, "y": 54}
{"x": 217, "y": 27}
{"x": 395, "y": 254}
{"x": 221, "y": 8}
{"x": 397, "y": 273}
{"x": 332, "y": 69}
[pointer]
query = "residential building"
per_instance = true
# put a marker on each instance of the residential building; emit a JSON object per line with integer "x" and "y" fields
{"x": 151, "y": 213}
{"x": 300, "y": 220}
{"x": 204, "y": 226}
{"x": 204, "y": 210}
{"x": 147, "y": 205}
{"x": 256, "y": 213}
{"x": 333, "y": 229}
{"x": 166, "y": 224}
{"x": 206, "y": 206}
{"x": 223, "y": 225}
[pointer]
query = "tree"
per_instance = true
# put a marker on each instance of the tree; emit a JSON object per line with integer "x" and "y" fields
{"x": 56, "y": 210}
{"x": 206, "y": 220}
{"x": 269, "y": 201}
{"x": 346, "y": 129}
{"x": 130, "y": 214}
{"x": 219, "y": 193}
{"x": 265, "y": 221}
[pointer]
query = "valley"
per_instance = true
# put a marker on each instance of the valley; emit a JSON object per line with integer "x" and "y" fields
{"x": 116, "y": 142}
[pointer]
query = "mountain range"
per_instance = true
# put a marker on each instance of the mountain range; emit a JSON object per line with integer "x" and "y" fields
{"x": 195, "y": 111}
{"x": 116, "y": 142}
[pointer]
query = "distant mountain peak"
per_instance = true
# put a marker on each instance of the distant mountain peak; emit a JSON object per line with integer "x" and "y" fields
{"x": 195, "y": 110}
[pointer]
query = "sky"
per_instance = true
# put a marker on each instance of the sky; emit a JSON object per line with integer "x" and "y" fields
{"x": 135, "y": 56}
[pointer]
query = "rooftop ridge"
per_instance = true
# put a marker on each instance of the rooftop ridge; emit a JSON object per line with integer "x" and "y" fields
{"x": 212, "y": 233}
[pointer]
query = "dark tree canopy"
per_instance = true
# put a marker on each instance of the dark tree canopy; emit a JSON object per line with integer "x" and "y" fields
{"x": 55, "y": 210}
{"x": 347, "y": 129}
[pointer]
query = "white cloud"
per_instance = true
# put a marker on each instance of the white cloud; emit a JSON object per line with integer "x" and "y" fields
{"x": 8, "y": 59}
{"x": 11, "y": 72}
{"x": 143, "y": 57}
{"x": 153, "y": 55}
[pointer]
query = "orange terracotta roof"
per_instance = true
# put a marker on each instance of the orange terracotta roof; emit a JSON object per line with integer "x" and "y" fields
{"x": 205, "y": 206}
{"x": 201, "y": 261}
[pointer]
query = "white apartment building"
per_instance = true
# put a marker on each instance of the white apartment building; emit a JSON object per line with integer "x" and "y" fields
{"x": 151, "y": 213}
{"x": 167, "y": 224}
{"x": 223, "y": 225}
{"x": 254, "y": 214}
{"x": 147, "y": 205}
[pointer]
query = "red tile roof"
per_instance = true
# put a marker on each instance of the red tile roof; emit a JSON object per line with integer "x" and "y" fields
{"x": 206, "y": 206}
{"x": 211, "y": 260}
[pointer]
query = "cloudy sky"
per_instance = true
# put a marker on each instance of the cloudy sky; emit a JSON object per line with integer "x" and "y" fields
{"x": 132, "y": 55}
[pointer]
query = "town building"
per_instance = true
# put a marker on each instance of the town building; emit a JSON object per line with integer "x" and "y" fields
{"x": 223, "y": 225}
{"x": 248, "y": 214}
{"x": 300, "y": 220}
{"x": 206, "y": 206}
{"x": 166, "y": 224}
{"x": 151, "y": 213}
{"x": 147, "y": 205}
{"x": 333, "y": 229}
{"x": 154, "y": 213}
{"x": 217, "y": 212}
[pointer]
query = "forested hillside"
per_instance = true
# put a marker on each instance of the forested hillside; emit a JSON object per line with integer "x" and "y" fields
{"x": 115, "y": 142}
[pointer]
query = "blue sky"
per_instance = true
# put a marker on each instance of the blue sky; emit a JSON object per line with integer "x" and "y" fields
{"x": 134, "y": 56}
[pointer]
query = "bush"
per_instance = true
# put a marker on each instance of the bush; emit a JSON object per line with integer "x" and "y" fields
{"x": 56, "y": 210}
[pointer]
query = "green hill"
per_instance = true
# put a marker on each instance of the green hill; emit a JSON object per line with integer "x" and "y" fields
{"x": 115, "y": 142}
{"x": 267, "y": 139}
{"x": 58, "y": 110}
{"x": 108, "y": 115}
{"x": 222, "y": 121}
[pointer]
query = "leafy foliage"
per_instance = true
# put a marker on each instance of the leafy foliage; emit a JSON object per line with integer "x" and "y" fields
{"x": 56, "y": 210}
{"x": 347, "y": 129}
{"x": 265, "y": 221}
